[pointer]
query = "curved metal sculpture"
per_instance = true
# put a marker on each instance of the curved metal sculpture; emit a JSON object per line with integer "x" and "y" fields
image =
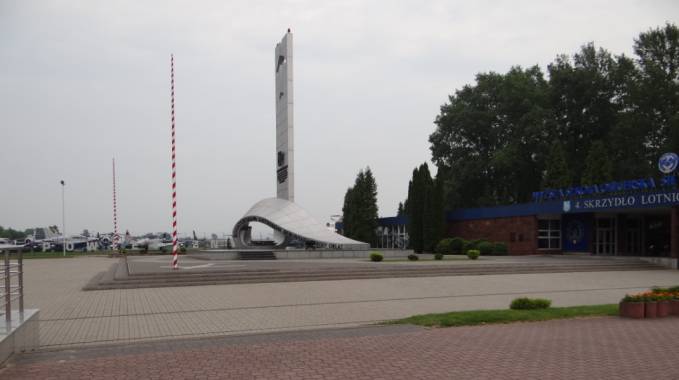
{"x": 290, "y": 222}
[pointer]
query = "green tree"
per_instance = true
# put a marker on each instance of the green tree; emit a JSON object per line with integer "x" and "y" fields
{"x": 598, "y": 165}
{"x": 348, "y": 212}
{"x": 583, "y": 95}
{"x": 495, "y": 139}
{"x": 401, "y": 209}
{"x": 658, "y": 97}
{"x": 488, "y": 138}
{"x": 427, "y": 201}
{"x": 10, "y": 233}
{"x": 360, "y": 208}
{"x": 425, "y": 210}
{"x": 437, "y": 217}
{"x": 415, "y": 212}
{"x": 557, "y": 174}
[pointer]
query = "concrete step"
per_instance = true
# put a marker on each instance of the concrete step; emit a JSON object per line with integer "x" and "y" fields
{"x": 297, "y": 278}
{"x": 268, "y": 276}
{"x": 256, "y": 255}
{"x": 392, "y": 269}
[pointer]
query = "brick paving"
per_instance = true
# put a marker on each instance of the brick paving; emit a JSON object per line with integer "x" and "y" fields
{"x": 70, "y": 317}
{"x": 589, "y": 348}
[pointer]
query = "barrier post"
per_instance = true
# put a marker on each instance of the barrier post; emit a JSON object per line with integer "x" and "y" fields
{"x": 8, "y": 295}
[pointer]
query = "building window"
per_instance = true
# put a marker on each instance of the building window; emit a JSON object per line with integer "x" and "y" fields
{"x": 549, "y": 234}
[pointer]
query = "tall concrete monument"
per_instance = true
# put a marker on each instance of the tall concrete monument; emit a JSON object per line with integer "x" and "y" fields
{"x": 285, "y": 147}
{"x": 292, "y": 225}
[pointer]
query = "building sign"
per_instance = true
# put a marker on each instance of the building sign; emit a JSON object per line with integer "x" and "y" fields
{"x": 646, "y": 200}
{"x": 667, "y": 182}
{"x": 668, "y": 163}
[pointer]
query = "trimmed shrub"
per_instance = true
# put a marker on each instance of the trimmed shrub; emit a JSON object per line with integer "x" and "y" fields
{"x": 444, "y": 247}
{"x": 473, "y": 254}
{"x": 456, "y": 245}
{"x": 486, "y": 248}
{"x": 438, "y": 256}
{"x": 471, "y": 244}
{"x": 376, "y": 257}
{"x": 500, "y": 249}
{"x": 525, "y": 303}
{"x": 413, "y": 257}
{"x": 182, "y": 249}
{"x": 466, "y": 246}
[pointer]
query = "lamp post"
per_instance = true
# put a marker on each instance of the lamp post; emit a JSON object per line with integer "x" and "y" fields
{"x": 63, "y": 218}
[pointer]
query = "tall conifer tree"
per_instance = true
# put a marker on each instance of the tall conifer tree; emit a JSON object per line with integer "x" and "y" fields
{"x": 360, "y": 208}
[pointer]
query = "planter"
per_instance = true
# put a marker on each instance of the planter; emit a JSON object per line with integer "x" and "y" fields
{"x": 651, "y": 310}
{"x": 674, "y": 307}
{"x": 663, "y": 309}
{"x": 632, "y": 310}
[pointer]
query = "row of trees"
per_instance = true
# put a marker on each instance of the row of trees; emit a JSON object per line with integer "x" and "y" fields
{"x": 424, "y": 209}
{"x": 595, "y": 118}
{"x": 360, "y": 208}
{"x": 12, "y": 234}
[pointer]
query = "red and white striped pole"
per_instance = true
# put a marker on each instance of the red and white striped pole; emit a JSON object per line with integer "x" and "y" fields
{"x": 175, "y": 241}
{"x": 116, "y": 237}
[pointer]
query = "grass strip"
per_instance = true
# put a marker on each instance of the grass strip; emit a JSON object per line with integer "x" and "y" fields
{"x": 481, "y": 317}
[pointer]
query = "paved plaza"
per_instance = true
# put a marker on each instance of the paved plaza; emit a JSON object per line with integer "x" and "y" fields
{"x": 71, "y": 317}
{"x": 588, "y": 348}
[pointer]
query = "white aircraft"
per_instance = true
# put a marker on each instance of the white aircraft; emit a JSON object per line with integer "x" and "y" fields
{"x": 152, "y": 244}
{"x": 47, "y": 239}
{"x": 9, "y": 245}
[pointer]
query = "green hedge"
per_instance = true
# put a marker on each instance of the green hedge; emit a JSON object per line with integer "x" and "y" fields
{"x": 500, "y": 249}
{"x": 376, "y": 257}
{"x": 530, "y": 303}
{"x": 457, "y": 245}
{"x": 473, "y": 254}
{"x": 444, "y": 247}
{"x": 468, "y": 244}
{"x": 486, "y": 248}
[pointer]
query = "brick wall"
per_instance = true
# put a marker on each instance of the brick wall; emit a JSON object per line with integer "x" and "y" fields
{"x": 520, "y": 232}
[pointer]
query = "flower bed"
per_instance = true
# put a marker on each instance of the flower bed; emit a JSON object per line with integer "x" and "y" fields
{"x": 656, "y": 303}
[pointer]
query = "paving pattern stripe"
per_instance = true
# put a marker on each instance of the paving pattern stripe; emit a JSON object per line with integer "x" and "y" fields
{"x": 197, "y": 335}
{"x": 592, "y": 348}
{"x": 54, "y": 286}
{"x": 66, "y": 332}
{"x": 172, "y": 311}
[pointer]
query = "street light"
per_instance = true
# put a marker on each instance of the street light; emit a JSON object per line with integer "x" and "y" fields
{"x": 63, "y": 218}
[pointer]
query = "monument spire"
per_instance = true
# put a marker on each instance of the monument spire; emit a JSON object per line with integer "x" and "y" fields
{"x": 285, "y": 146}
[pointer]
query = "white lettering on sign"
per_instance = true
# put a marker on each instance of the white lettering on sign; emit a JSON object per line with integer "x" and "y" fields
{"x": 629, "y": 201}
{"x": 653, "y": 199}
{"x": 647, "y": 200}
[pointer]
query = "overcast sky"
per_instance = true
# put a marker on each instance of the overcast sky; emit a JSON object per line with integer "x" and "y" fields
{"x": 84, "y": 81}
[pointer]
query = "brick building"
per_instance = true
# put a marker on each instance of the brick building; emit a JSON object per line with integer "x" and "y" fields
{"x": 627, "y": 218}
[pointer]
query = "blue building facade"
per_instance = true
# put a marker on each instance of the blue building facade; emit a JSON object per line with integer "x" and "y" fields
{"x": 632, "y": 217}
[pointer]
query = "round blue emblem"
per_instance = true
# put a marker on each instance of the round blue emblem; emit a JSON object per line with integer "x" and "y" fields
{"x": 575, "y": 231}
{"x": 668, "y": 163}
